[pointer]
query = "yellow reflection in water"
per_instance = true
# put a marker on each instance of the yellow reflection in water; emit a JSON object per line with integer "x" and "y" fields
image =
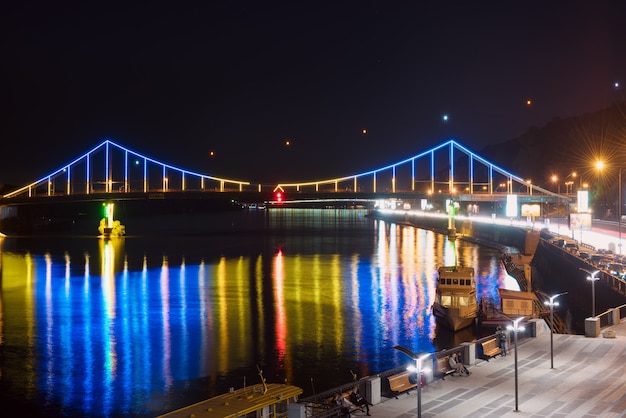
{"x": 260, "y": 321}
{"x": 233, "y": 325}
{"x": 107, "y": 272}
{"x": 279, "y": 304}
{"x": 17, "y": 287}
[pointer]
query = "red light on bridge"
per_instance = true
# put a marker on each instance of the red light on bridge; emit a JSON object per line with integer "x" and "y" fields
{"x": 279, "y": 197}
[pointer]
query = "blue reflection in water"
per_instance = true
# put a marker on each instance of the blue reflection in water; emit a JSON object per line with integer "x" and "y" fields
{"x": 113, "y": 340}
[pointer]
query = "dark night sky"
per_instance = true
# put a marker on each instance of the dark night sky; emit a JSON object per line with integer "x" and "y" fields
{"x": 176, "y": 81}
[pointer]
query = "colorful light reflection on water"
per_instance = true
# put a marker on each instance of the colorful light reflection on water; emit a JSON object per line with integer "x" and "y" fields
{"x": 86, "y": 334}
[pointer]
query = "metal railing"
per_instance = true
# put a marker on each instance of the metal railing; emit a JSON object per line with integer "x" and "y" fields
{"x": 612, "y": 316}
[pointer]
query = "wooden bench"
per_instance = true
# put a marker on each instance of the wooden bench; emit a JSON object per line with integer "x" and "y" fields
{"x": 403, "y": 382}
{"x": 443, "y": 367}
{"x": 490, "y": 348}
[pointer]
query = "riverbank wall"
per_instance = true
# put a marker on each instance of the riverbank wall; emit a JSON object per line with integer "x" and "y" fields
{"x": 559, "y": 271}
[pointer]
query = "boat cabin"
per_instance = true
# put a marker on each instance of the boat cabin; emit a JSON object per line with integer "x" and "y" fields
{"x": 455, "y": 304}
{"x": 456, "y": 286}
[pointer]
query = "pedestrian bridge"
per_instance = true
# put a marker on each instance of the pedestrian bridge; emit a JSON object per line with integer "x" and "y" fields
{"x": 448, "y": 170}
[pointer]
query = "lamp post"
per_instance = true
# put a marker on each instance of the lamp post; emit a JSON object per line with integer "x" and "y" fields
{"x": 593, "y": 279}
{"x": 552, "y": 304}
{"x": 418, "y": 370}
{"x": 516, "y": 328}
{"x": 555, "y": 179}
{"x": 619, "y": 211}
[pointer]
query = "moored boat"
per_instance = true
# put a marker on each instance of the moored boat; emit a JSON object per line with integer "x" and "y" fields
{"x": 455, "y": 305}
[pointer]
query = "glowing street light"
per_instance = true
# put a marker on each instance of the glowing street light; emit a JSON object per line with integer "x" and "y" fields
{"x": 619, "y": 211}
{"x": 599, "y": 165}
{"x": 552, "y": 304}
{"x": 418, "y": 369}
{"x": 516, "y": 328}
{"x": 593, "y": 279}
{"x": 555, "y": 179}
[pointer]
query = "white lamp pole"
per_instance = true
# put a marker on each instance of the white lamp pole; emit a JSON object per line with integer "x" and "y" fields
{"x": 619, "y": 211}
{"x": 516, "y": 328}
{"x": 593, "y": 279}
{"x": 418, "y": 370}
{"x": 552, "y": 304}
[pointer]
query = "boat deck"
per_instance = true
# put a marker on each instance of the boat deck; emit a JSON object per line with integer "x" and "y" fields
{"x": 239, "y": 402}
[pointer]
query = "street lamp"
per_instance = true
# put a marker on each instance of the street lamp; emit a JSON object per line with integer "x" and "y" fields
{"x": 593, "y": 279}
{"x": 555, "y": 179}
{"x": 570, "y": 184}
{"x": 619, "y": 211}
{"x": 552, "y": 304}
{"x": 516, "y": 328}
{"x": 599, "y": 165}
{"x": 418, "y": 369}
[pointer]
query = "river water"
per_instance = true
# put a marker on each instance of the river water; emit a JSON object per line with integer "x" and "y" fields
{"x": 140, "y": 326}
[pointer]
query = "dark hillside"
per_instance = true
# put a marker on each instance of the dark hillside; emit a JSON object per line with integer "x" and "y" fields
{"x": 563, "y": 146}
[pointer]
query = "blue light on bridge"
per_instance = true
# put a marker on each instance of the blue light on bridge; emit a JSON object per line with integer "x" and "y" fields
{"x": 467, "y": 174}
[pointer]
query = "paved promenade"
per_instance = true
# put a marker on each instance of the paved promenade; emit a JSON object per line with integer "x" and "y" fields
{"x": 588, "y": 380}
